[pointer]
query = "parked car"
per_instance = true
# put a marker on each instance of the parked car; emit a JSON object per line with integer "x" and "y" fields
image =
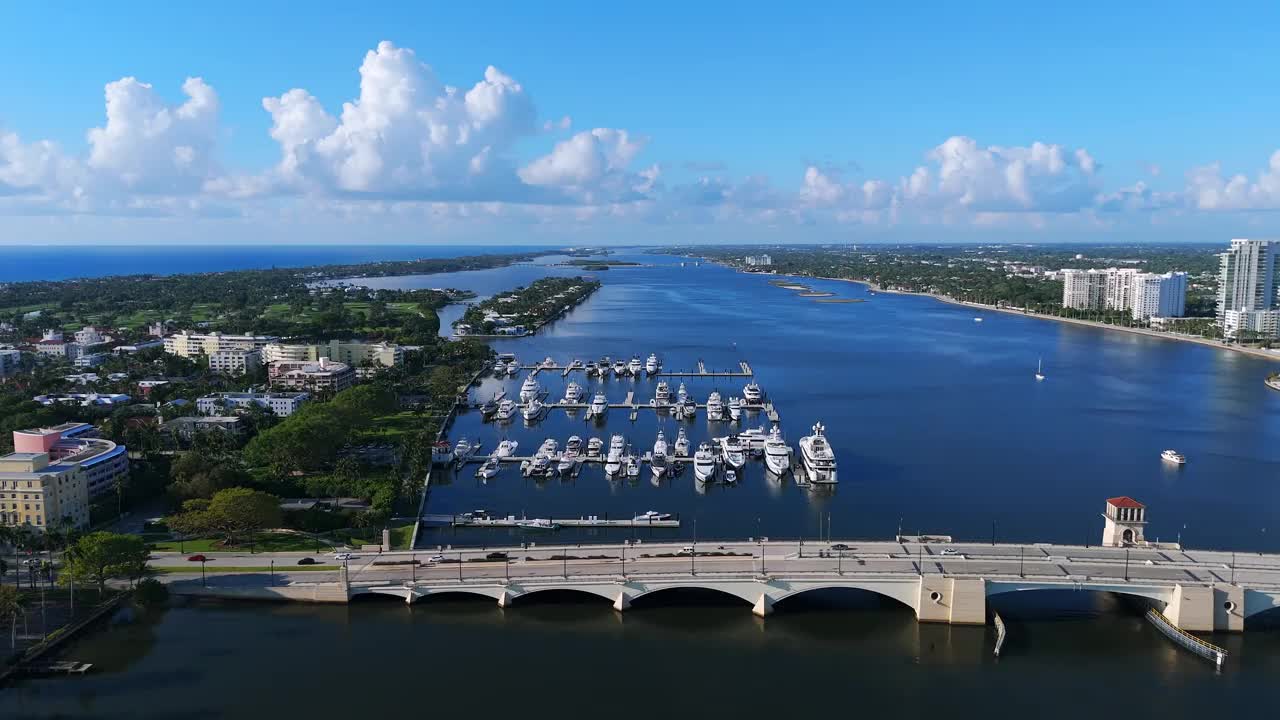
{"x": 307, "y": 561}
{"x": 197, "y": 558}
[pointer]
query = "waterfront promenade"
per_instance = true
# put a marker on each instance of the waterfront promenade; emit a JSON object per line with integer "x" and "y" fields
{"x": 941, "y": 582}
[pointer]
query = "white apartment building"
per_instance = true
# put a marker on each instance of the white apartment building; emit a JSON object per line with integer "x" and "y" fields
{"x": 1084, "y": 289}
{"x": 280, "y": 404}
{"x": 353, "y": 353}
{"x": 235, "y": 362}
{"x": 1247, "y": 289}
{"x": 1144, "y": 294}
{"x": 191, "y": 345}
{"x": 90, "y": 360}
{"x": 10, "y": 361}
{"x": 322, "y": 376}
{"x": 1159, "y": 295}
{"x": 89, "y": 335}
{"x": 758, "y": 260}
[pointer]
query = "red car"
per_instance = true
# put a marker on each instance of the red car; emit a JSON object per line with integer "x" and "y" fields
{"x": 197, "y": 558}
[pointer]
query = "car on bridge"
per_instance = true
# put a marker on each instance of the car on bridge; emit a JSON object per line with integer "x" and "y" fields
{"x": 197, "y": 558}
{"x": 841, "y": 547}
{"x": 950, "y": 551}
{"x": 436, "y": 559}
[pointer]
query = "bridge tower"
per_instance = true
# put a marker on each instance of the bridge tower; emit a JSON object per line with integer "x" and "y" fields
{"x": 1125, "y": 518}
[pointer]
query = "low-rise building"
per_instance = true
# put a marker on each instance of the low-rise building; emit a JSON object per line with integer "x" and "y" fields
{"x": 191, "y": 345}
{"x": 137, "y": 347}
{"x": 89, "y": 335}
{"x": 235, "y": 362}
{"x": 185, "y": 429}
{"x": 320, "y": 377}
{"x": 281, "y": 404}
{"x": 354, "y": 353}
{"x": 10, "y": 361}
{"x": 83, "y": 399}
{"x": 54, "y": 472}
{"x": 53, "y": 346}
{"x": 90, "y": 360}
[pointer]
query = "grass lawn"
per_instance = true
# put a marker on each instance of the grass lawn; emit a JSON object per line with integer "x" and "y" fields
{"x": 400, "y": 537}
{"x": 215, "y": 569}
{"x": 393, "y": 427}
{"x": 266, "y": 542}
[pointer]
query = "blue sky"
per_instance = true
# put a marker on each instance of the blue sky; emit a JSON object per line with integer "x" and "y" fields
{"x": 739, "y": 121}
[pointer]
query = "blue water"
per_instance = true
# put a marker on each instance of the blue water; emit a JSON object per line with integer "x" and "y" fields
{"x": 60, "y": 262}
{"x": 937, "y": 420}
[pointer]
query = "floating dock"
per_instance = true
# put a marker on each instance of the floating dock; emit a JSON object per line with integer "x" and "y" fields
{"x": 512, "y": 521}
{"x": 744, "y": 370}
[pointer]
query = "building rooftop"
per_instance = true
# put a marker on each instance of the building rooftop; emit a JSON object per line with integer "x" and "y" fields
{"x": 1124, "y": 501}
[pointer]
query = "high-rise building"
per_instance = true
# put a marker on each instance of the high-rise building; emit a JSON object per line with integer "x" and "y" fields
{"x": 1084, "y": 289}
{"x": 1120, "y": 283}
{"x": 1247, "y": 288}
{"x": 1144, "y": 294}
{"x": 1159, "y": 295}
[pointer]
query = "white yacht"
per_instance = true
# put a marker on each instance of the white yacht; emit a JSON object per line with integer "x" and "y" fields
{"x": 777, "y": 454}
{"x": 463, "y": 451}
{"x": 489, "y": 469}
{"x": 617, "y": 442}
{"x": 489, "y": 408}
{"x": 499, "y": 367}
{"x": 658, "y": 462}
{"x": 651, "y": 365}
{"x": 715, "y": 406}
{"x": 1173, "y": 456}
{"x": 513, "y": 367}
{"x": 682, "y": 394}
{"x": 507, "y": 409}
{"x": 599, "y": 406}
{"x": 735, "y": 455}
{"x": 539, "y": 466}
{"x": 529, "y": 389}
{"x": 651, "y": 515}
{"x": 548, "y": 363}
{"x": 620, "y": 369}
{"x": 592, "y": 369}
{"x": 689, "y": 409}
{"x": 632, "y": 465}
{"x": 731, "y": 476}
{"x": 704, "y": 463}
{"x": 635, "y": 366}
{"x": 548, "y": 448}
{"x": 533, "y": 410}
{"x": 662, "y": 395}
{"x": 506, "y": 448}
{"x": 573, "y": 393}
{"x": 442, "y": 453}
{"x": 613, "y": 463}
{"x": 818, "y": 458}
{"x": 682, "y": 444}
{"x": 735, "y": 409}
{"x": 594, "y": 447}
{"x": 571, "y": 456}
{"x": 752, "y": 394}
{"x": 536, "y": 524}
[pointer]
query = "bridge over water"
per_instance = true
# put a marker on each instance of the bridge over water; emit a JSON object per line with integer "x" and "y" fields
{"x": 949, "y": 583}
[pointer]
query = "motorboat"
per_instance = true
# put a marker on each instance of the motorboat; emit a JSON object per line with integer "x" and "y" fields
{"x": 529, "y": 389}
{"x": 651, "y": 365}
{"x": 977, "y": 319}
{"x": 548, "y": 363}
{"x": 571, "y": 456}
{"x": 620, "y": 369}
{"x": 617, "y": 442}
{"x": 548, "y": 448}
{"x": 662, "y": 395}
{"x": 533, "y": 409}
{"x": 613, "y": 463}
{"x": 817, "y": 456}
{"x": 573, "y": 393}
{"x": 635, "y": 366}
{"x": 513, "y": 367}
{"x": 507, "y": 409}
{"x": 592, "y": 369}
{"x": 489, "y": 408}
{"x": 536, "y": 524}
{"x": 1040, "y": 369}
{"x": 658, "y": 462}
{"x": 442, "y": 453}
{"x": 735, "y": 455}
{"x": 503, "y": 361}
{"x": 599, "y": 406}
{"x": 632, "y": 464}
{"x": 715, "y": 406}
{"x": 682, "y": 444}
{"x": 603, "y": 368}
{"x": 594, "y": 447}
{"x": 704, "y": 463}
{"x": 752, "y": 394}
{"x": 539, "y": 466}
{"x": 489, "y": 469}
{"x": 682, "y": 394}
{"x": 651, "y": 515}
{"x": 735, "y": 409}
{"x": 777, "y": 454}
{"x": 731, "y": 476}
{"x": 689, "y": 409}
{"x": 506, "y": 448}
{"x": 463, "y": 450}
{"x": 1173, "y": 456}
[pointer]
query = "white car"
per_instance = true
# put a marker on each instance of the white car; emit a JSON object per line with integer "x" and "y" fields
{"x": 436, "y": 559}
{"x": 950, "y": 551}
{"x": 343, "y": 556}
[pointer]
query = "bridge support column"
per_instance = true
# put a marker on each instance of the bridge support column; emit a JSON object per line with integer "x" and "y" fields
{"x": 623, "y": 602}
{"x": 763, "y": 606}
{"x": 1191, "y": 608}
{"x": 1228, "y": 608}
{"x": 958, "y": 601}
{"x": 504, "y": 600}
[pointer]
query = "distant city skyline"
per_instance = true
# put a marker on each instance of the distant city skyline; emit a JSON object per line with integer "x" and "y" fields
{"x": 577, "y": 124}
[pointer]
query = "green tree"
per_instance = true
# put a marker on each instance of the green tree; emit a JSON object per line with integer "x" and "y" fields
{"x": 11, "y": 608}
{"x": 101, "y": 556}
{"x": 233, "y": 514}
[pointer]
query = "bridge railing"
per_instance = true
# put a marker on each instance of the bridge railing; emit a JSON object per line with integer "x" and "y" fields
{"x": 1204, "y": 649}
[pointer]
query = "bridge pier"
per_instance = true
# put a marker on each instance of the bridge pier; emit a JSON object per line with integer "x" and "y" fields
{"x": 1190, "y": 608}
{"x": 623, "y": 601}
{"x": 958, "y": 601}
{"x": 504, "y": 599}
{"x": 763, "y": 606}
{"x": 1228, "y": 608}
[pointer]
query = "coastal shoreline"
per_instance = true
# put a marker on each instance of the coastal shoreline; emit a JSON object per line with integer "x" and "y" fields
{"x": 1254, "y": 352}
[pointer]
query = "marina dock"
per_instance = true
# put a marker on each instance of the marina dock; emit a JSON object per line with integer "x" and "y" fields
{"x": 744, "y": 370}
{"x": 511, "y": 521}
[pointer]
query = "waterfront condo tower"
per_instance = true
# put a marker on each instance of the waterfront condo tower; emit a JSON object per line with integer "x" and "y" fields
{"x": 1247, "y": 298}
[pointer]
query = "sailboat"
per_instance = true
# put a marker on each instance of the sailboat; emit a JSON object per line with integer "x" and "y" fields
{"x": 1040, "y": 369}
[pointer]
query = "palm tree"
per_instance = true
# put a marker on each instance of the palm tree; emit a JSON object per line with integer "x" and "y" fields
{"x": 11, "y": 606}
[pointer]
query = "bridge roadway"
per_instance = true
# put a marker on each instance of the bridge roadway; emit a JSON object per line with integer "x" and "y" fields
{"x": 1197, "y": 590}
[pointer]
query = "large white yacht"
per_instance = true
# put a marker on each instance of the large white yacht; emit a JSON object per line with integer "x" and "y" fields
{"x": 617, "y": 442}
{"x": 735, "y": 409}
{"x": 751, "y": 393}
{"x": 571, "y": 456}
{"x": 613, "y": 463}
{"x": 632, "y": 464}
{"x": 682, "y": 394}
{"x": 506, "y": 448}
{"x": 620, "y": 369}
{"x": 529, "y": 389}
{"x": 464, "y": 449}
{"x": 704, "y": 463}
{"x": 682, "y": 444}
{"x": 488, "y": 470}
{"x": 573, "y": 393}
{"x": 635, "y": 366}
{"x": 777, "y": 455}
{"x": 599, "y": 406}
{"x": 818, "y": 457}
{"x": 658, "y": 462}
{"x": 533, "y": 410}
{"x": 735, "y": 455}
{"x": 507, "y": 409}
{"x": 715, "y": 406}
{"x": 594, "y": 446}
{"x": 651, "y": 365}
{"x": 548, "y": 448}
{"x": 513, "y": 367}
{"x": 662, "y": 395}
{"x": 1173, "y": 456}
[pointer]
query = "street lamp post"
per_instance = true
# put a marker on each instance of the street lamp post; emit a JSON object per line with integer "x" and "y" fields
{"x": 273, "y": 573}
{"x": 203, "y": 581}
{"x": 624, "y": 558}
{"x": 993, "y": 533}
{"x": 1126, "y": 564}
{"x": 1022, "y": 553}
{"x": 839, "y": 562}
{"x": 1233, "y": 568}
{"x": 459, "y": 566}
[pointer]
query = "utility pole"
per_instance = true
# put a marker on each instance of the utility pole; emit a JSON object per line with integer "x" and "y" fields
{"x": 993, "y": 533}
{"x": 1233, "y": 568}
{"x": 459, "y": 566}
{"x": 203, "y": 581}
{"x": 1126, "y": 564}
{"x": 273, "y": 573}
{"x": 1022, "y": 552}
{"x": 624, "y": 559}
